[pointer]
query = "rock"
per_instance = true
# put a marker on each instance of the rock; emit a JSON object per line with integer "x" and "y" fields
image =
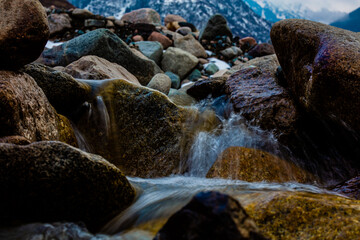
{"x": 173, "y": 26}
{"x": 59, "y": 23}
{"x": 93, "y": 67}
{"x": 62, "y": 90}
{"x": 216, "y": 26}
{"x": 255, "y": 93}
{"x": 158, "y": 37}
{"x": 194, "y": 75}
{"x": 18, "y": 140}
{"x": 181, "y": 98}
{"x": 210, "y": 215}
{"x": 261, "y": 50}
{"x": 143, "y": 15}
{"x": 62, "y": 4}
{"x": 51, "y": 181}
{"x": 321, "y": 67}
{"x": 25, "y": 110}
{"x": 175, "y": 80}
{"x": 268, "y": 63}
{"x": 160, "y": 82}
{"x": 350, "y": 188}
{"x": 203, "y": 61}
{"x": 173, "y": 18}
{"x": 152, "y": 50}
{"x": 104, "y": 44}
{"x": 231, "y": 52}
{"x": 247, "y": 43}
{"x": 191, "y": 45}
{"x": 172, "y": 35}
{"x": 119, "y": 23}
{"x": 178, "y": 61}
{"x": 137, "y": 38}
{"x": 24, "y": 32}
{"x": 95, "y": 23}
{"x": 202, "y": 89}
{"x": 110, "y": 24}
{"x": 211, "y": 69}
{"x": 184, "y": 31}
{"x": 253, "y": 165}
{"x": 81, "y": 13}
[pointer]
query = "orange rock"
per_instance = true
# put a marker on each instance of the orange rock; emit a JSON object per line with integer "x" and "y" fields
{"x": 165, "y": 41}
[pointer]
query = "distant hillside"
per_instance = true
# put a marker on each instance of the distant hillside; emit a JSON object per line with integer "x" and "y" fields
{"x": 350, "y": 22}
{"x": 57, "y": 3}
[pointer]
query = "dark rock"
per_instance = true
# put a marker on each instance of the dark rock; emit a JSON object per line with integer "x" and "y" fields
{"x": 261, "y": 50}
{"x": 216, "y": 26}
{"x": 210, "y": 215}
{"x": 51, "y": 181}
{"x": 57, "y": 3}
{"x": 202, "y": 89}
{"x": 104, "y": 44}
{"x": 24, "y": 32}
{"x": 350, "y": 188}
{"x": 194, "y": 75}
{"x": 175, "y": 80}
{"x": 94, "y": 23}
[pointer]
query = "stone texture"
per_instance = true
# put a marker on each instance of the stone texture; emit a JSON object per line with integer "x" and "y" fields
{"x": 261, "y": 50}
{"x": 152, "y": 50}
{"x": 51, "y": 181}
{"x": 191, "y": 45}
{"x": 24, "y": 32}
{"x": 178, "y": 61}
{"x": 173, "y": 18}
{"x": 322, "y": 69}
{"x": 143, "y": 15}
{"x": 104, "y": 44}
{"x": 59, "y": 23}
{"x": 253, "y": 165}
{"x": 210, "y": 215}
{"x": 216, "y": 26}
{"x": 160, "y": 82}
{"x": 158, "y": 37}
{"x": 93, "y": 67}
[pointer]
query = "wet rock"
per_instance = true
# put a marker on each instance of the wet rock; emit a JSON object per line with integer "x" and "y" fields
{"x": 81, "y": 13}
{"x": 253, "y": 165}
{"x": 321, "y": 67}
{"x": 181, "y": 98}
{"x": 210, "y": 215}
{"x": 104, "y": 44}
{"x": 350, "y": 188}
{"x": 59, "y": 23}
{"x": 247, "y": 43}
{"x": 202, "y": 89}
{"x": 191, "y": 45}
{"x": 51, "y": 181}
{"x": 95, "y": 23}
{"x": 160, "y": 82}
{"x": 211, "y": 69}
{"x": 158, "y": 37}
{"x": 178, "y": 61}
{"x": 173, "y": 18}
{"x": 62, "y": 90}
{"x": 216, "y": 26}
{"x": 93, "y": 67}
{"x": 175, "y": 80}
{"x": 261, "y": 50}
{"x": 24, "y": 32}
{"x": 143, "y": 15}
{"x": 231, "y": 52}
{"x": 151, "y": 49}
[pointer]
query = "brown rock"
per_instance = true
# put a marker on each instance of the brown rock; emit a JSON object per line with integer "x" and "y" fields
{"x": 24, "y": 32}
{"x": 58, "y": 23}
{"x": 137, "y": 38}
{"x": 261, "y": 50}
{"x": 322, "y": 68}
{"x": 64, "y": 4}
{"x": 350, "y": 188}
{"x": 254, "y": 165}
{"x": 173, "y": 18}
{"x": 81, "y": 13}
{"x": 18, "y": 140}
{"x": 173, "y": 26}
{"x": 143, "y": 15}
{"x": 247, "y": 43}
{"x": 214, "y": 87}
{"x": 165, "y": 41}
{"x": 191, "y": 45}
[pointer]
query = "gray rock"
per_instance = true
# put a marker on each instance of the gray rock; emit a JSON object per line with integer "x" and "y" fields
{"x": 151, "y": 49}
{"x": 175, "y": 80}
{"x": 231, "y": 52}
{"x": 58, "y": 23}
{"x": 160, "y": 82}
{"x": 191, "y": 45}
{"x": 143, "y": 15}
{"x": 216, "y": 26}
{"x": 81, "y": 13}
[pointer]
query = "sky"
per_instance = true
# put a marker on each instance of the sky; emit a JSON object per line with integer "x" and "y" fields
{"x": 317, "y": 5}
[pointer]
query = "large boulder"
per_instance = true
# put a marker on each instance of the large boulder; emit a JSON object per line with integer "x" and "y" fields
{"x": 151, "y": 49}
{"x": 58, "y": 23}
{"x": 178, "y": 61}
{"x": 52, "y": 181}
{"x": 191, "y": 45}
{"x": 253, "y": 165}
{"x": 93, "y": 67}
{"x": 143, "y": 15}
{"x": 216, "y": 26}
{"x": 63, "y": 92}
{"x": 24, "y": 32}
{"x": 210, "y": 215}
{"x": 322, "y": 68}
{"x": 105, "y": 44}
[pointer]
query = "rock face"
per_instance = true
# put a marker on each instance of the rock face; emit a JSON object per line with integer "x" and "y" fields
{"x": 151, "y": 49}
{"x": 160, "y": 82}
{"x": 93, "y": 67}
{"x": 216, "y": 26}
{"x": 24, "y": 32}
{"x": 321, "y": 67}
{"x": 178, "y": 61}
{"x": 143, "y": 15}
{"x": 59, "y": 23}
{"x": 210, "y": 215}
{"x": 51, "y": 181}
{"x": 254, "y": 165}
{"x": 105, "y": 44}
{"x": 62, "y": 90}
{"x": 191, "y": 45}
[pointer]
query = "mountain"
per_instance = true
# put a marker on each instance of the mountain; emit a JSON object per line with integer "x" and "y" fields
{"x": 350, "y": 22}
{"x": 242, "y": 20}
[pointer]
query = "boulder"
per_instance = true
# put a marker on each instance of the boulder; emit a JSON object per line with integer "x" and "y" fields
{"x": 178, "y": 61}
{"x": 105, "y": 44}
{"x": 173, "y": 18}
{"x": 59, "y": 23}
{"x": 211, "y": 69}
{"x": 191, "y": 45}
{"x": 160, "y": 82}
{"x": 161, "y": 38}
{"x": 322, "y": 69}
{"x": 143, "y": 15}
{"x": 202, "y": 89}
{"x": 62, "y": 90}
{"x": 52, "y": 181}
{"x": 350, "y": 188}
{"x": 24, "y": 32}
{"x": 261, "y": 50}
{"x": 253, "y": 165}
{"x": 81, "y": 13}
{"x": 175, "y": 80}
{"x": 210, "y": 215}
{"x": 216, "y": 26}
{"x": 93, "y": 67}
{"x": 151, "y": 49}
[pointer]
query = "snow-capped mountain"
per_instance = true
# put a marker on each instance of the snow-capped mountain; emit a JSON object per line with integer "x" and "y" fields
{"x": 350, "y": 21}
{"x": 242, "y": 20}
